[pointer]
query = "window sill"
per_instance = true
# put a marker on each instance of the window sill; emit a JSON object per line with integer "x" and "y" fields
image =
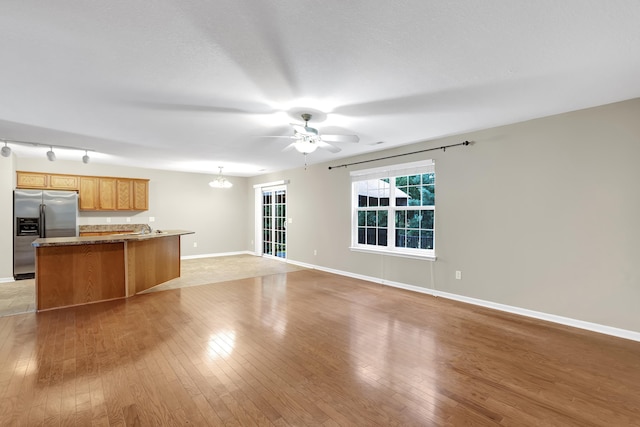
{"x": 393, "y": 253}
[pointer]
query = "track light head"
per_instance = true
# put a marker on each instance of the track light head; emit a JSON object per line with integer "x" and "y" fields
{"x": 6, "y": 150}
{"x": 85, "y": 158}
{"x": 51, "y": 155}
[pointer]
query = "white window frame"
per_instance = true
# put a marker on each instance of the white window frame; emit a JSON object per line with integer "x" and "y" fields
{"x": 391, "y": 171}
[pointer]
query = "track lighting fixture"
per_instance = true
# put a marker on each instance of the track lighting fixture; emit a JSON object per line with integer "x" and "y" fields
{"x": 51, "y": 155}
{"x": 6, "y": 150}
{"x": 220, "y": 181}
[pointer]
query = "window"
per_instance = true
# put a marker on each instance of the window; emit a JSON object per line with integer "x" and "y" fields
{"x": 394, "y": 209}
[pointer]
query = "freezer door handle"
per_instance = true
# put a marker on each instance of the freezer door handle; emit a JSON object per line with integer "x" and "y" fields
{"x": 43, "y": 220}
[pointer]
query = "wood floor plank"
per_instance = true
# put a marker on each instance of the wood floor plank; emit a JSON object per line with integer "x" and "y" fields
{"x": 308, "y": 348}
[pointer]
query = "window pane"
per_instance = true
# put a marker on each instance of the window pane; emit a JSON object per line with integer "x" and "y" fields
{"x": 373, "y": 201}
{"x": 413, "y": 239}
{"x": 372, "y": 218}
{"x": 382, "y": 218}
{"x": 428, "y": 178}
{"x": 362, "y": 201}
{"x": 361, "y": 235}
{"x": 428, "y": 195}
{"x": 414, "y": 179}
{"x": 384, "y": 201}
{"x": 371, "y": 236}
{"x": 400, "y": 238}
{"x": 427, "y": 220}
{"x": 426, "y": 239}
{"x": 362, "y": 218}
{"x": 382, "y": 237}
{"x": 401, "y": 180}
{"x": 413, "y": 219}
{"x": 414, "y": 196}
{"x": 401, "y": 201}
{"x": 400, "y": 219}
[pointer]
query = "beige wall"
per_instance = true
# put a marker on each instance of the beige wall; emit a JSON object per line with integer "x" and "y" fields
{"x": 7, "y": 184}
{"x": 541, "y": 215}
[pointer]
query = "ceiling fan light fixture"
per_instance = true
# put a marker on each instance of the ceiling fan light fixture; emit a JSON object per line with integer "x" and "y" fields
{"x": 305, "y": 146}
{"x": 6, "y": 150}
{"x": 220, "y": 181}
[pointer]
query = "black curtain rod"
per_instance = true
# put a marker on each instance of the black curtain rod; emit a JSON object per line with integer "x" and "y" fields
{"x": 443, "y": 148}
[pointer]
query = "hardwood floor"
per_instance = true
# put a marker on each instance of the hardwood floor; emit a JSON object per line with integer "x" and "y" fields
{"x": 308, "y": 348}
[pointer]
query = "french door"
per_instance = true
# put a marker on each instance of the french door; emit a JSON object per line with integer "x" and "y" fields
{"x": 274, "y": 222}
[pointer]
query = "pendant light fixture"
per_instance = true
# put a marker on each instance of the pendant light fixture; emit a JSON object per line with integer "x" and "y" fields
{"x": 86, "y": 158}
{"x": 220, "y": 181}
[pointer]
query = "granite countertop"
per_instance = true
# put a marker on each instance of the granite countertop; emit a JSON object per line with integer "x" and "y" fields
{"x": 113, "y": 238}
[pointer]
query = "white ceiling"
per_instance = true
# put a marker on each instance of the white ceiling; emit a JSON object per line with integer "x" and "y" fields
{"x": 190, "y": 85}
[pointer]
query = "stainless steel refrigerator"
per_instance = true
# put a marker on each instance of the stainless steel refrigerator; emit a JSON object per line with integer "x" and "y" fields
{"x": 40, "y": 213}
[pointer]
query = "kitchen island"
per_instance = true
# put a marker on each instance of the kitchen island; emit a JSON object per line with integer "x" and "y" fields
{"x": 81, "y": 270}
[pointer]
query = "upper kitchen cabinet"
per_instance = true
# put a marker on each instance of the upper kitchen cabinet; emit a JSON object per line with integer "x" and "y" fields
{"x": 108, "y": 194}
{"x": 113, "y": 194}
{"x": 96, "y": 193}
{"x": 140, "y": 194}
{"x": 88, "y": 198}
{"x": 47, "y": 181}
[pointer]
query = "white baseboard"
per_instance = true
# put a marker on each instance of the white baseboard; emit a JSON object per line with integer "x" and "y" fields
{"x": 216, "y": 255}
{"x": 6, "y": 279}
{"x": 594, "y": 327}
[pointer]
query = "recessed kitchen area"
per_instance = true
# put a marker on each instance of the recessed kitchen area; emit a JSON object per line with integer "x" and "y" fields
{"x": 74, "y": 264}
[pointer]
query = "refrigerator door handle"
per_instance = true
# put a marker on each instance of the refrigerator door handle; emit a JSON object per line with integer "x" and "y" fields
{"x": 43, "y": 220}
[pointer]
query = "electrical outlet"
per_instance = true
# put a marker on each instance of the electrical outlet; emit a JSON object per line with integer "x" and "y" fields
{"x": 290, "y": 220}
{"x": 458, "y": 274}
{"x": 195, "y": 244}
{"x": 315, "y": 252}
{"x": 152, "y": 219}
{"x": 108, "y": 220}
{"x": 128, "y": 219}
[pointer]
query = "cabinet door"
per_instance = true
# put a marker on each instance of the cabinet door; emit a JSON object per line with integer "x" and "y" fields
{"x": 107, "y": 193}
{"x": 63, "y": 182}
{"x": 31, "y": 180}
{"x": 88, "y": 199}
{"x": 140, "y": 194}
{"x": 124, "y": 193}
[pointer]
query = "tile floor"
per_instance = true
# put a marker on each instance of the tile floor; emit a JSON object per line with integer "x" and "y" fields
{"x": 19, "y": 297}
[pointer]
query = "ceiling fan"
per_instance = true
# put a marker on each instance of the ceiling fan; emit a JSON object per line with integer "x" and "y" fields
{"x": 308, "y": 139}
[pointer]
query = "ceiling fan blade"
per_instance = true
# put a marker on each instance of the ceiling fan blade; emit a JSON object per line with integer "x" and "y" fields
{"x": 328, "y": 147}
{"x": 289, "y": 147}
{"x": 214, "y": 107}
{"x": 299, "y": 128}
{"x": 341, "y": 138}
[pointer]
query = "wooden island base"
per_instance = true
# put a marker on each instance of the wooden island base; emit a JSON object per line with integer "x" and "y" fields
{"x": 77, "y": 271}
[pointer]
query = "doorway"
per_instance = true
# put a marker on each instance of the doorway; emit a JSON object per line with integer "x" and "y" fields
{"x": 274, "y": 222}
